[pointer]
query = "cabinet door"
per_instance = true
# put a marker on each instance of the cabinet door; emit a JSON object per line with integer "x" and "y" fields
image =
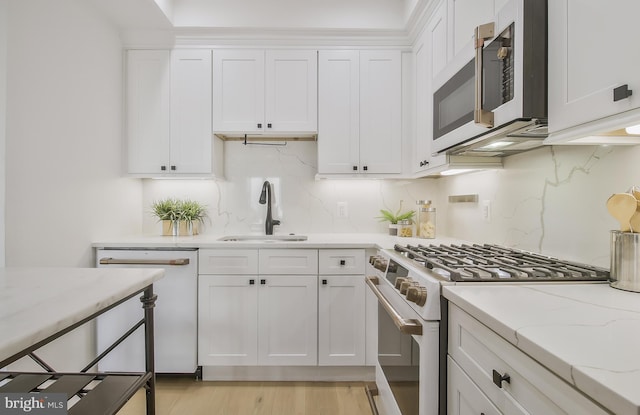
{"x": 464, "y": 16}
{"x": 191, "y": 128}
{"x": 380, "y": 112}
{"x": 227, "y": 320}
{"x": 341, "y": 320}
{"x": 338, "y": 111}
{"x": 463, "y": 396}
{"x": 287, "y": 321}
{"x": 148, "y": 111}
{"x": 291, "y": 82}
{"x": 582, "y": 34}
{"x": 238, "y": 88}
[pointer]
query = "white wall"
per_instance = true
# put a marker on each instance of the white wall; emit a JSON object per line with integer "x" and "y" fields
{"x": 64, "y": 135}
{"x": 551, "y": 200}
{"x": 3, "y": 121}
{"x": 304, "y": 205}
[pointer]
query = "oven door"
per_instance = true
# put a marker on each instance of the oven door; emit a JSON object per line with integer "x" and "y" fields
{"x": 407, "y": 368}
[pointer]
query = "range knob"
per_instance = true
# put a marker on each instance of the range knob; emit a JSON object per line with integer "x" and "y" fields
{"x": 381, "y": 264}
{"x": 406, "y": 284}
{"x": 399, "y": 282}
{"x": 417, "y": 294}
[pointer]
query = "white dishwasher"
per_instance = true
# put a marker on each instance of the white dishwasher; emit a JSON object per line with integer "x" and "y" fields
{"x": 175, "y": 313}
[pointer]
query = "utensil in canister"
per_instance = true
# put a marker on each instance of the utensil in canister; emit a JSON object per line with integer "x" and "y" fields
{"x": 622, "y": 206}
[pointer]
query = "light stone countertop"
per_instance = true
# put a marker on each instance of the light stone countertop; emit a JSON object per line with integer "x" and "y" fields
{"x": 588, "y": 334}
{"x": 36, "y": 303}
{"x": 318, "y": 241}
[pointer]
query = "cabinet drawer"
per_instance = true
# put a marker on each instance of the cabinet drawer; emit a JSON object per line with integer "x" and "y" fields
{"x": 341, "y": 261}
{"x": 480, "y": 351}
{"x": 228, "y": 261}
{"x": 288, "y": 261}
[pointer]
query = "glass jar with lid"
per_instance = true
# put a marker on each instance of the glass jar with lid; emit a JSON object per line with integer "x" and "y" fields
{"x": 426, "y": 220}
{"x": 405, "y": 228}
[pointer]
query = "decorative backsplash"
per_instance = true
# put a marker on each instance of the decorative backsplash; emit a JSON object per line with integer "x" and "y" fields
{"x": 302, "y": 203}
{"x": 550, "y": 200}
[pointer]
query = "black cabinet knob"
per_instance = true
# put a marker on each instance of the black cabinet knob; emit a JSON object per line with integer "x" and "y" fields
{"x": 252, "y": 282}
{"x": 355, "y": 168}
{"x": 343, "y": 262}
{"x": 324, "y": 282}
{"x": 268, "y": 125}
{"x": 621, "y": 92}
{"x": 498, "y": 378}
{"x": 163, "y": 168}
{"x": 259, "y": 125}
{"x": 365, "y": 168}
{"x": 263, "y": 282}
{"x": 173, "y": 168}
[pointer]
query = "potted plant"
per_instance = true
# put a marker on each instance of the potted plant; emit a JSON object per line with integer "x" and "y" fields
{"x": 393, "y": 218}
{"x": 167, "y": 211}
{"x": 192, "y": 215}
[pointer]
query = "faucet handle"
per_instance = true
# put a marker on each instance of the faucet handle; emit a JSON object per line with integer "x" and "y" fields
{"x": 276, "y": 222}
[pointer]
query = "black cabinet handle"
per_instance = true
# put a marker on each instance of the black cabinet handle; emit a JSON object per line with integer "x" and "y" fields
{"x": 621, "y": 92}
{"x": 252, "y": 282}
{"x": 263, "y": 282}
{"x": 424, "y": 163}
{"x": 268, "y": 125}
{"x": 324, "y": 282}
{"x": 343, "y": 262}
{"x": 355, "y": 168}
{"x": 365, "y": 168}
{"x": 173, "y": 168}
{"x": 163, "y": 168}
{"x": 259, "y": 125}
{"x": 498, "y": 378}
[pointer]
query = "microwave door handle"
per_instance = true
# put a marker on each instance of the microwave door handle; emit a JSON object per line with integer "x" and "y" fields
{"x": 480, "y": 116}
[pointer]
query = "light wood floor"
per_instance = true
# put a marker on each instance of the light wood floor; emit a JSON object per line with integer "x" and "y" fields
{"x": 189, "y": 397}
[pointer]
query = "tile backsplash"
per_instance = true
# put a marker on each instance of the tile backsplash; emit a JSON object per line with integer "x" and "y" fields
{"x": 550, "y": 200}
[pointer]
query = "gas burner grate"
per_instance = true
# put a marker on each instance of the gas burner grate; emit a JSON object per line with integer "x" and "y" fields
{"x": 488, "y": 262}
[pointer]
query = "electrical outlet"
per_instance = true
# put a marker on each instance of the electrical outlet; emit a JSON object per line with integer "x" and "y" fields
{"x": 343, "y": 210}
{"x": 486, "y": 210}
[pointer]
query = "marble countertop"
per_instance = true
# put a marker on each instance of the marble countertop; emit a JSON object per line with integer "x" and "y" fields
{"x": 329, "y": 240}
{"x": 588, "y": 334}
{"x": 36, "y": 303}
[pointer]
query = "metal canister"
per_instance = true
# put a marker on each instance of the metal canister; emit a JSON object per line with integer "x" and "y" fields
{"x": 625, "y": 261}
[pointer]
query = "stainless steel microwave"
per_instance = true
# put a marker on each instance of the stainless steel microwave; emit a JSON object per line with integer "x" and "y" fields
{"x": 495, "y": 104}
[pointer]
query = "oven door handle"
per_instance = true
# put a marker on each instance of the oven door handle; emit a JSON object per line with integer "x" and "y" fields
{"x": 480, "y": 115}
{"x": 406, "y": 326}
{"x": 117, "y": 261}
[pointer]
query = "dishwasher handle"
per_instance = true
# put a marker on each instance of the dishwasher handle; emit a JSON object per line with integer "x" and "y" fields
{"x": 116, "y": 261}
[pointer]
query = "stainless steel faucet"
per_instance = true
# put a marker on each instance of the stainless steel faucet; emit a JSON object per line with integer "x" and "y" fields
{"x": 265, "y": 197}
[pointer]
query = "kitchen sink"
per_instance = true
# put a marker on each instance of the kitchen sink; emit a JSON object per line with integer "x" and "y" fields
{"x": 264, "y": 238}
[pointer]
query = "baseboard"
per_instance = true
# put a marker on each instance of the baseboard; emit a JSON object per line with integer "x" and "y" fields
{"x": 290, "y": 373}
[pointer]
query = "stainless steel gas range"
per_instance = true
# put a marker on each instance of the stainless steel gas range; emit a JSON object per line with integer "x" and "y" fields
{"x": 412, "y": 327}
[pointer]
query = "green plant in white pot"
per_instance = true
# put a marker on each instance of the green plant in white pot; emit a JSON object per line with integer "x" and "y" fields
{"x": 168, "y": 212}
{"x": 393, "y": 218}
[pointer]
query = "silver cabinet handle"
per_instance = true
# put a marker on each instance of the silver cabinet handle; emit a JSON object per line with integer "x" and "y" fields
{"x": 371, "y": 391}
{"x": 115, "y": 261}
{"x": 406, "y": 326}
{"x": 480, "y": 116}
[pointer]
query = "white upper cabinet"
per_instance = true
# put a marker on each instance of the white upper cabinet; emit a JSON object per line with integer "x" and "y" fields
{"x": 263, "y": 92}
{"x": 168, "y": 124}
{"x": 360, "y": 112}
{"x": 148, "y": 110}
{"x": 592, "y": 54}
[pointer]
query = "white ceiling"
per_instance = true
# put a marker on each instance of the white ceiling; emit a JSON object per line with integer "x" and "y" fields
{"x": 255, "y": 14}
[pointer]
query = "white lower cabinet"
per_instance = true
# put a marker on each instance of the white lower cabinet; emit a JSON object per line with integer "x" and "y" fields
{"x": 269, "y": 307}
{"x": 485, "y": 368}
{"x": 341, "y": 320}
{"x": 287, "y": 322}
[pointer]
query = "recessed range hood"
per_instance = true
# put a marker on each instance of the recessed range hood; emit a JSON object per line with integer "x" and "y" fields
{"x": 517, "y": 136}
